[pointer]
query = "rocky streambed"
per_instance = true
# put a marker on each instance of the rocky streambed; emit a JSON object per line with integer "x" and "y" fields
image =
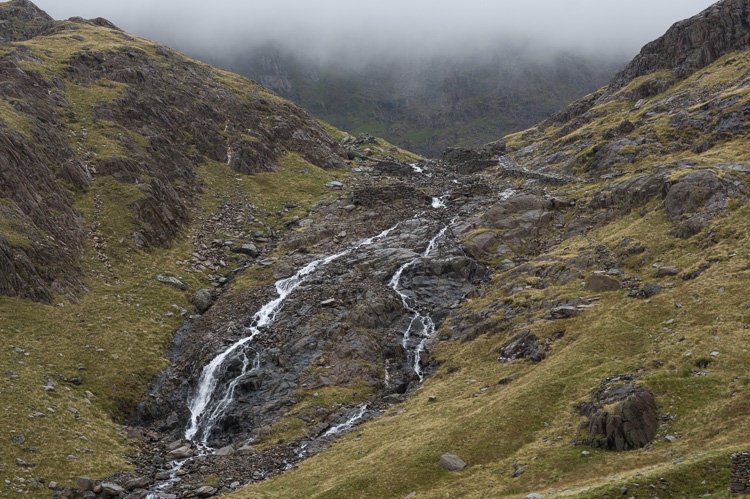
{"x": 359, "y": 290}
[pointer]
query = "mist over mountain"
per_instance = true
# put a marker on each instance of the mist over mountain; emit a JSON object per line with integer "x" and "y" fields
{"x": 428, "y": 103}
{"x": 422, "y": 75}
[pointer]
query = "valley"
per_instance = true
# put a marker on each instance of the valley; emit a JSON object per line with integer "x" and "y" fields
{"x": 206, "y": 291}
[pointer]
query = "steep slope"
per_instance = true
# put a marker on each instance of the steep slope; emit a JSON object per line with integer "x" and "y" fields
{"x": 565, "y": 310}
{"x": 639, "y": 289}
{"x": 428, "y": 103}
{"x": 119, "y": 161}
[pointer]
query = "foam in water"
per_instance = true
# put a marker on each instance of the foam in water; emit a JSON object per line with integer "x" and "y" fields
{"x": 422, "y": 325}
{"x": 207, "y": 407}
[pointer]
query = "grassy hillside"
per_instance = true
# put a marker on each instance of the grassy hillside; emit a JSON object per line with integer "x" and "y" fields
{"x": 688, "y": 344}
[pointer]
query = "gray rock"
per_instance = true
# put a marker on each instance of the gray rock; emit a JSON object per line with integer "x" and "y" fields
{"x": 518, "y": 470}
{"x": 670, "y": 439}
{"x": 669, "y": 270}
{"x": 563, "y": 312}
{"x": 18, "y": 439}
{"x": 202, "y": 300}
{"x": 506, "y": 380}
{"x": 246, "y": 249}
{"x": 180, "y": 453}
{"x": 112, "y": 489}
{"x": 452, "y": 462}
{"x": 621, "y": 416}
{"x": 601, "y": 282}
{"x": 534, "y": 496}
{"x": 24, "y": 464}
{"x": 246, "y": 450}
{"x": 585, "y": 454}
{"x": 52, "y": 485}
{"x": 205, "y": 491}
{"x": 85, "y": 483}
{"x": 140, "y": 482}
{"x": 171, "y": 281}
{"x": 328, "y": 302}
{"x": 225, "y": 451}
{"x": 650, "y": 289}
{"x": 335, "y": 185}
{"x": 175, "y": 445}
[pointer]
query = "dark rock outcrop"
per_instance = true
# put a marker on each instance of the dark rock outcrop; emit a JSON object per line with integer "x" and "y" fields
{"x": 621, "y": 416}
{"x": 22, "y": 20}
{"x": 693, "y": 43}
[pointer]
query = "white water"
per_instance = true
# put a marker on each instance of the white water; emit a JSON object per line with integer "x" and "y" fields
{"x": 173, "y": 478}
{"x": 422, "y": 325}
{"x": 348, "y": 424}
{"x": 438, "y": 202}
{"x": 416, "y": 168}
{"x": 206, "y": 407}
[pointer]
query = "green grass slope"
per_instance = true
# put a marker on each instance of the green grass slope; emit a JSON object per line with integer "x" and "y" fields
{"x": 689, "y": 345}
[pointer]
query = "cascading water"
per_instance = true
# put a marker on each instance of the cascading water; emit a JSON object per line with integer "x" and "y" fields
{"x": 207, "y": 407}
{"x": 421, "y": 325}
{"x": 348, "y": 424}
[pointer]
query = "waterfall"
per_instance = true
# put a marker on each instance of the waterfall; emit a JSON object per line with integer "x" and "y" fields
{"x": 420, "y": 324}
{"x": 207, "y": 406}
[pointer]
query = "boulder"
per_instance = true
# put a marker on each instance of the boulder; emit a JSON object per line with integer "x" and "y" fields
{"x": 601, "y": 282}
{"x": 621, "y": 416}
{"x": 227, "y": 450}
{"x": 85, "y": 483}
{"x": 140, "y": 482}
{"x": 110, "y": 489}
{"x": 523, "y": 345}
{"x": 666, "y": 271}
{"x": 650, "y": 289}
{"x": 171, "y": 281}
{"x": 202, "y": 300}
{"x": 180, "y": 453}
{"x": 452, "y": 462}
{"x": 246, "y": 249}
{"x": 205, "y": 491}
{"x": 563, "y": 312}
{"x": 335, "y": 185}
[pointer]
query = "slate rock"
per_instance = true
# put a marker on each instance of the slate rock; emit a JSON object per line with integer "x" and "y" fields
{"x": 666, "y": 271}
{"x": 140, "y": 482}
{"x": 621, "y": 416}
{"x": 227, "y": 450}
{"x": 452, "y": 462}
{"x": 206, "y": 491}
{"x": 171, "y": 281}
{"x": 112, "y": 489}
{"x": 601, "y": 282}
{"x": 180, "y": 453}
{"x": 85, "y": 483}
{"x": 650, "y": 289}
{"x": 523, "y": 345}
{"x": 563, "y": 312}
{"x": 202, "y": 300}
{"x": 246, "y": 249}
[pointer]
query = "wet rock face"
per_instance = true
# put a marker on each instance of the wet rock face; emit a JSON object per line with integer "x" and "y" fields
{"x": 621, "y": 416}
{"x": 344, "y": 324}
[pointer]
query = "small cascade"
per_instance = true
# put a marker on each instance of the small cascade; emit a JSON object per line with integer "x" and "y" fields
{"x": 438, "y": 202}
{"x": 208, "y": 405}
{"x": 348, "y": 424}
{"x": 421, "y": 325}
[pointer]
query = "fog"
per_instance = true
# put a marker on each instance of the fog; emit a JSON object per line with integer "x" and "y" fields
{"x": 406, "y": 27}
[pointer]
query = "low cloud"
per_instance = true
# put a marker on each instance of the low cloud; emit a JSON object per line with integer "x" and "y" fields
{"x": 407, "y": 27}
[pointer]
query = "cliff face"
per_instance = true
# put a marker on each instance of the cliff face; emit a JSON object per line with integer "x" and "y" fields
{"x": 693, "y": 43}
{"x": 91, "y": 104}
